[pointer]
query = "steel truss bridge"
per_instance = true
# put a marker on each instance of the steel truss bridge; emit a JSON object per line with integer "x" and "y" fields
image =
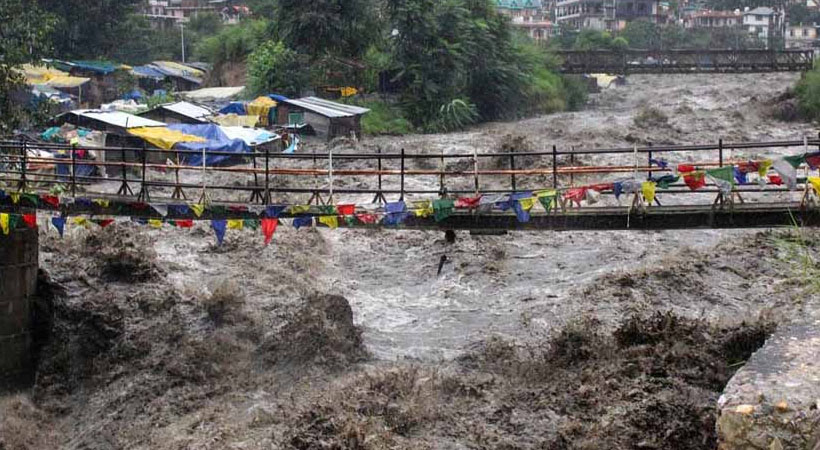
{"x": 685, "y": 61}
{"x": 58, "y": 180}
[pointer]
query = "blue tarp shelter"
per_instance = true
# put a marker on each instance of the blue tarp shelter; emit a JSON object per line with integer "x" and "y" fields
{"x": 149, "y": 72}
{"x": 277, "y": 97}
{"x": 217, "y": 141}
{"x": 237, "y": 108}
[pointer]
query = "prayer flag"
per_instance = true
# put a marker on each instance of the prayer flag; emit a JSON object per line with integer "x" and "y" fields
{"x": 815, "y": 183}
{"x": 467, "y": 202}
{"x": 102, "y": 203}
{"x": 197, "y": 208}
{"x": 184, "y": 223}
{"x": 59, "y": 224}
{"x": 813, "y": 160}
{"x": 331, "y": 221}
{"x": 443, "y": 208}
{"x": 346, "y": 210}
{"x": 423, "y": 208}
{"x": 253, "y": 224}
{"x": 273, "y": 211}
{"x": 648, "y": 190}
{"x": 664, "y": 181}
{"x": 299, "y": 209}
{"x": 787, "y": 172}
{"x": 796, "y": 160}
{"x": 302, "y": 221}
{"x": 219, "y": 229}
{"x": 396, "y": 212}
{"x": 235, "y": 224}
{"x": 51, "y": 200}
{"x": 695, "y": 180}
{"x": 764, "y": 167}
{"x": 4, "y": 223}
{"x": 30, "y": 220}
{"x": 155, "y": 223}
{"x": 268, "y": 227}
{"x": 367, "y": 218}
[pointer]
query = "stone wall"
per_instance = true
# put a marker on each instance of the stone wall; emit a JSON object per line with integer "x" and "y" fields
{"x": 18, "y": 281}
{"x": 773, "y": 402}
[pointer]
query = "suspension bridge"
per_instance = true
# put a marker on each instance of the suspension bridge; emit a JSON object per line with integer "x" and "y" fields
{"x": 558, "y": 189}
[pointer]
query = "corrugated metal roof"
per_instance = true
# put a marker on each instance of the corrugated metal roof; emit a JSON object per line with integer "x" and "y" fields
{"x": 327, "y": 108}
{"x": 213, "y": 94}
{"x": 188, "y": 110}
{"x": 117, "y": 118}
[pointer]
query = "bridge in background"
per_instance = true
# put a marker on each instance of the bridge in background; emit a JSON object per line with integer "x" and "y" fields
{"x": 685, "y": 61}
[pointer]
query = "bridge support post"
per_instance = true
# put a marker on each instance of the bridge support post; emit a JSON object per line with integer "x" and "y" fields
{"x": 18, "y": 281}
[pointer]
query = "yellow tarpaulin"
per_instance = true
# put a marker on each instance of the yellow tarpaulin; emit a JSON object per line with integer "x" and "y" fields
{"x": 164, "y": 138}
{"x": 180, "y": 67}
{"x": 50, "y": 77}
{"x": 261, "y": 107}
{"x": 233, "y": 120}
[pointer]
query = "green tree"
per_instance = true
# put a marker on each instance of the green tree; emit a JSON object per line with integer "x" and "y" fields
{"x": 89, "y": 29}
{"x": 25, "y": 38}
{"x": 273, "y": 68}
{"x": 320, "y": 27}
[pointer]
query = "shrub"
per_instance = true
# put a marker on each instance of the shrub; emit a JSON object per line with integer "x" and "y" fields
{"x": 383, "y": 118}
{"x": 808, "y": 94}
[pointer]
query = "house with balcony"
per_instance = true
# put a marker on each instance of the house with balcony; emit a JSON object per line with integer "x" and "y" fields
{"x": 713, "y": 19}
{"x": 528, "y": 15}
{"x": 801, "y": 36}
{"x": 763, "y": 22}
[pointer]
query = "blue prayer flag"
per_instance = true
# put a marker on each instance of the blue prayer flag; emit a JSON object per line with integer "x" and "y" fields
{"x": 219, "y": 227}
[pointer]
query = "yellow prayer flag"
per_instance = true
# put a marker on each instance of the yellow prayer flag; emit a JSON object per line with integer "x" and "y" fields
{"x": 527, "y": 203}
{"x": 197, "y": 208}
{"x": 102, "y": 203}
{"x": 81, "y": 221}
{"x": 764, "y": 167}
{"x": 423, "y": 208}
{"x": 330, "y": 221}
{"x": 546, "y": 193}
{"x": 299, "y": 209}
{"x": 815, "y": 183}
{"x": 4, "y": 223}
{"x": 15, "y": 197}
{"x": 235, "y": 224}
{"x": 648, "y": 190}
{"x": 156, "y": 223}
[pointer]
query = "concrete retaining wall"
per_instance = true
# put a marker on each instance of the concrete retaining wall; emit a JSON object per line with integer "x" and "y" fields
{"x": 773, "y": 402}
{"x": 18, "y": 282}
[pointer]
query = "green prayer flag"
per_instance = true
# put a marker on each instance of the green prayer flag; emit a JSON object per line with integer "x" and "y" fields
{"x": 795, "y": 160}
{"x": 350, "y": 220}
{"x": 666, "y": 180}
{"x": 217, "y": 210}
{"x": 33, "y": 199}
{"x": 253, "y": 224}
{"x": 326, "y": 210}
{"x": 726, "y": 173}
{"x": 443, "y": 208}
{"x": 547, "y": 201}
{"x": 14, "y": 219}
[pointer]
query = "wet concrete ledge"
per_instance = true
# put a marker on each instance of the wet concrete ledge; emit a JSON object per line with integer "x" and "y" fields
{"x": 773, "y": 402}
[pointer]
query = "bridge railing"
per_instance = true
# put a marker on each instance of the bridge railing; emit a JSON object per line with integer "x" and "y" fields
{"x": 265, "y": 177}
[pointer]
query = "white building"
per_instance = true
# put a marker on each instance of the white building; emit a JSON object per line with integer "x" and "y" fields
{"x": 763, "y": 22}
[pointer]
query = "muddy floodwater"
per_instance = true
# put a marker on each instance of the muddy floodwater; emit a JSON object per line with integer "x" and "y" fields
{"x": 352, "y": 339}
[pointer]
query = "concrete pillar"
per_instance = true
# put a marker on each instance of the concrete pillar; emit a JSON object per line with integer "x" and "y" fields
{"x": 18, "y": 281}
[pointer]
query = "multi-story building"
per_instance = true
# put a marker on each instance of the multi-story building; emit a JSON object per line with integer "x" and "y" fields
{"x": 165, "y": 13}
{"x": 763, "y": 22}
{"x": 713, "y": 19}
{"x": 606, "y": 14}
{"x": 801, "y": 36}
{"x": 528, "y": 15}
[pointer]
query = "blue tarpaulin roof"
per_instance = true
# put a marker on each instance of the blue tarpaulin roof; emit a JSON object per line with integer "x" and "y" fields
{"x": 102, "y": 67}
{"x": 149, "y": 72}
{"x": 217, "y": 142}
{"x": 237, "y": 108}
{"x": 277, "y": 97}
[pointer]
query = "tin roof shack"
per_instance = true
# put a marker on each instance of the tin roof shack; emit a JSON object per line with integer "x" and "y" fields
{"x": 327, "y": 118}
{"x": 105, "y": 78}
{"x": 179, "y": 112}
{"x": 115, "y": 126}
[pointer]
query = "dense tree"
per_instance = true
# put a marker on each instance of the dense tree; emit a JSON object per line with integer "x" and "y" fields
{"x": 89, "y": 29}
{"x": 320, "y": 27}
{"x": 274, "y": 68}
{"x": 25, "y": 38}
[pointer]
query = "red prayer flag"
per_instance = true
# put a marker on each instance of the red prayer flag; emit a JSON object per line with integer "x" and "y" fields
{"x": 601, "y": 187}
{"x": 268, "y": 227}
{"x": 775, "y": 179}
{"x": 686, "y": 168}
{"x": 813, "y": 160}
{"x": 51, "y": 200}
{"x": 695, "y": 181}
{"x": 184, "y": 223}
{"x": 104, "y": 222}
{"x": 468, "y": 202}
{"x": 346, "y": 210}
{"x": 366, "y": 218}
{"x": 748, "y": 167}
{"x": 576, "y": 194}
{"x": 30, "y": 220}
{"x": 237, "y": 208}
